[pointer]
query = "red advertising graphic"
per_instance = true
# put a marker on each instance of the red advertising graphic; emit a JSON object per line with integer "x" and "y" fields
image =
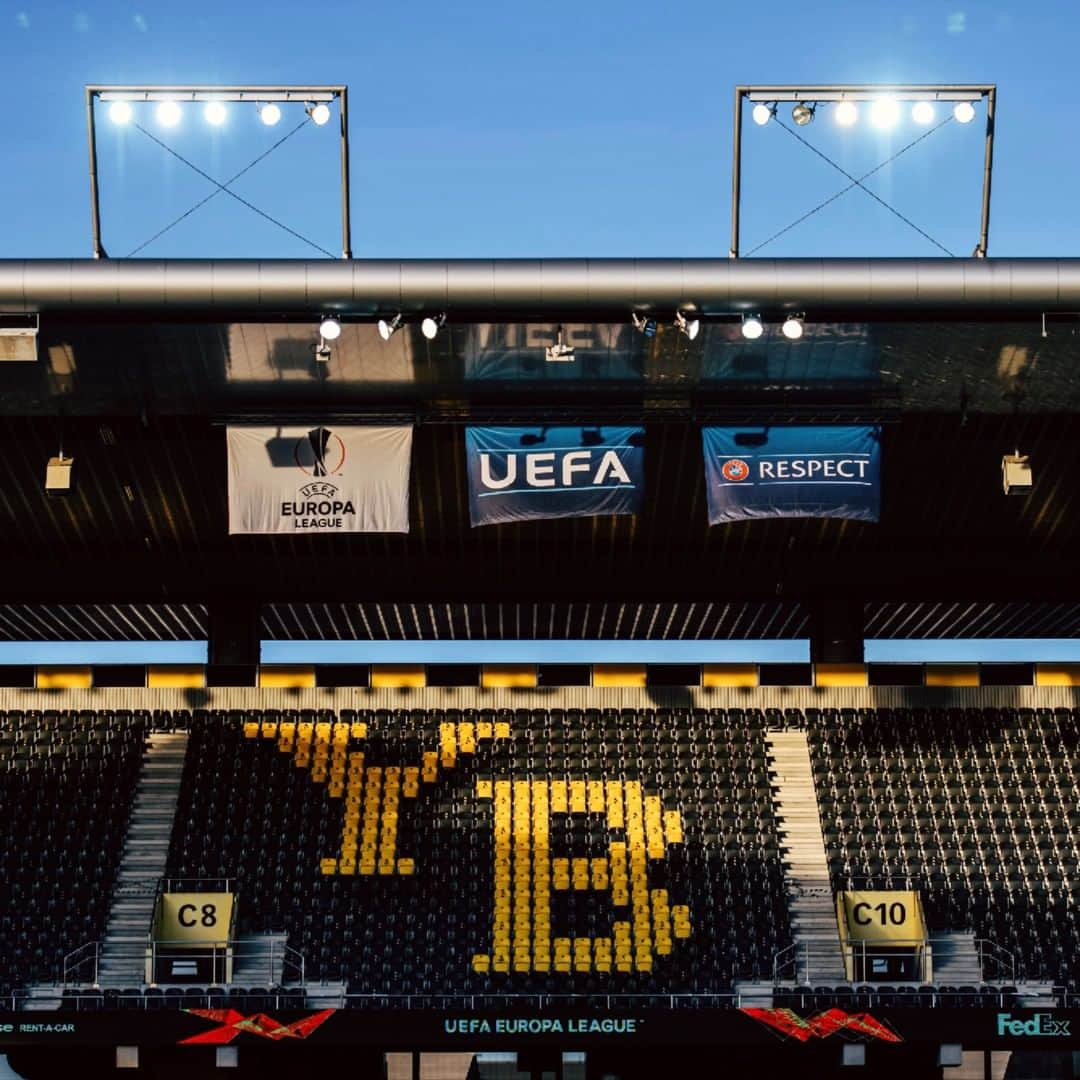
{"x": 232, "y": 1023}
{"x": 822, "y": 1025}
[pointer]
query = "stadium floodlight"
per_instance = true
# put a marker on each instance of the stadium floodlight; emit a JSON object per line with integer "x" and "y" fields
{"x": 885, "y": 113}
{"x": 885, "y": 105}
{"x": 752, "y": 327}
{"x": 168, "y": 114}
{"x": 58, "y": 475}
{"x": 431, "y": 326}
{"x": 389, "y": 327}
{"x": 560, "y": 352}
{"x": 1016, "y": 474}
{"x": 214, "y": 102}
{"x": 643, "y": 324}
{"x": 763, "y": 113}
{"x": 330, "y": 328}
{"x": 922, "y": 112}
{"x": 846, "y": 113}
{"x": 792, "y": 328}
{"x": 689, "y": 327}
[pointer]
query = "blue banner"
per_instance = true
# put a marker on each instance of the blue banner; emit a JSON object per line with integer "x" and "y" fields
{"x": 522, "y": 473}
{"x": 792, "y": 472}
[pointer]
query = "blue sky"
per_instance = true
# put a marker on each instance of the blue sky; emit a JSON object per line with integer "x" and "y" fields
{"x": 554, "y": 128}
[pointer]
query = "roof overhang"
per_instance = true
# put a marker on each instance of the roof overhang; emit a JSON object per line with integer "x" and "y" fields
{"x": 523, "y": 289}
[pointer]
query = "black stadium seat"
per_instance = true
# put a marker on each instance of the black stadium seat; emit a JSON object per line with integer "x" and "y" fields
{"x": 72, "y": 775}
{"x": 370, "y": 838}
{"x": 975, "y": 808}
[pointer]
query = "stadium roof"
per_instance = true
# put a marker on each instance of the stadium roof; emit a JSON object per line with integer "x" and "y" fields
{"x": 976, "y": 288}
{"x": 142, "y": 363}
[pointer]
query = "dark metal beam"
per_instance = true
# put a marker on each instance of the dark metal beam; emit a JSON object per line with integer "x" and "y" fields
{"x": 875, "y": 288}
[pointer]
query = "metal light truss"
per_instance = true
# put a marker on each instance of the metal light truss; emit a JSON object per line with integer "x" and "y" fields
{"x": 259, "y": 94}
{"x": 865, "y": 92}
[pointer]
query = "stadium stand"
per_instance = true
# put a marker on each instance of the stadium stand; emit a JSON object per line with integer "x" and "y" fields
{"x": 976, "y": 808}
{"x": 67, "y": 780}
{"x": 436, "y": 853}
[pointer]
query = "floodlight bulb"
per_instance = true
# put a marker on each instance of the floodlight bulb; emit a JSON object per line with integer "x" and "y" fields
{"x": 922, "y": 112}
{"x": 802, "y": 114}
{"x": 964, "y": 112}
{"x": 762, "y": 114}
{"x": 431, "y": 325}
{"x": 752, "y": 327}
{"x": 269, "y": 114}
{"x": 214, "y": 113}
{"x": 846, "y": 113}
{"x": 168, "y": 114}
{"x": 120, "y": 112}
{"x": 884, "y": 113}
{"x": 792, "y": 328}
{"x": 320, "y": 113}
{"x": 388, "y": 327}
{"x": 330, "y": 329}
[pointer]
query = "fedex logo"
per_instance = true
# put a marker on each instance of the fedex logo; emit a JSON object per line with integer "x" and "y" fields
{"x": 1045, "y": 1024}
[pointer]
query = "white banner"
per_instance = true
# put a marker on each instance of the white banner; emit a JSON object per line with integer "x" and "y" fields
{"x": 319, "y": 479}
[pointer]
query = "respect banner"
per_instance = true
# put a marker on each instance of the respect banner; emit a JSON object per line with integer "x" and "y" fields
{"x": 785, "y": 472}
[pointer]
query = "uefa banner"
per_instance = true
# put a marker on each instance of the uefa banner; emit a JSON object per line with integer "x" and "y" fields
{"x": 523, "y": 473}
{"x": 319, "y": 479}
{"x": 792, "y": 472}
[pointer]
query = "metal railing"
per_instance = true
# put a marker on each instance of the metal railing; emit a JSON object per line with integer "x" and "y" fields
{"x": 795, "y": 963}
{"x": 264, "y": 959}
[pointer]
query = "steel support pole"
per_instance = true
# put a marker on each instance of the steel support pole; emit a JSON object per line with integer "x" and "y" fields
{"x": 95, "y": 206}
{"x": 736, "y": 175}
{"x": 988, "y": 168}
{"x": 346, "y": 228}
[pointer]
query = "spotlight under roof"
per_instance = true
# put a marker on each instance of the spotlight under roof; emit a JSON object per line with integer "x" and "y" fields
{"x": 644, "y": 324}
{"x": 319, "y": 113}
{"x": 752, "y": 327}
{"x": 793, "y": 327}
{"x": 215, "y": 113}
{"x": 330, "y": 328}
{"x": 689, "y": 327}
{"x": 389, "y": 327}
{"x": 431, "y": 326}
{"x": 803, "y": 114}
{"x": 120, "y": 112}
{"x": 269, "y": 114}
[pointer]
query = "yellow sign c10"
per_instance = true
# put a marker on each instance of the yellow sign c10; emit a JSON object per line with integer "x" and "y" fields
{"x": 884, "y": 916}
{"x": 195, "y": 918}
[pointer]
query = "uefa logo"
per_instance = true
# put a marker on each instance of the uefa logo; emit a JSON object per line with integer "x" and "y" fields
{"x": 735, "y": 470}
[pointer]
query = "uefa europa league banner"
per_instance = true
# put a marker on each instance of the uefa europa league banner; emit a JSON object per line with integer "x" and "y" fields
{"x": 522, "y": 473}
{"x": 317, "y": 479}
{"x": 792, "y": 472}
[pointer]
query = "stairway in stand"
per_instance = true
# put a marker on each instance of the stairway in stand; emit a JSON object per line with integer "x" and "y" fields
{"x": 142, "y": 865}
{"x": 810, "y": 897}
